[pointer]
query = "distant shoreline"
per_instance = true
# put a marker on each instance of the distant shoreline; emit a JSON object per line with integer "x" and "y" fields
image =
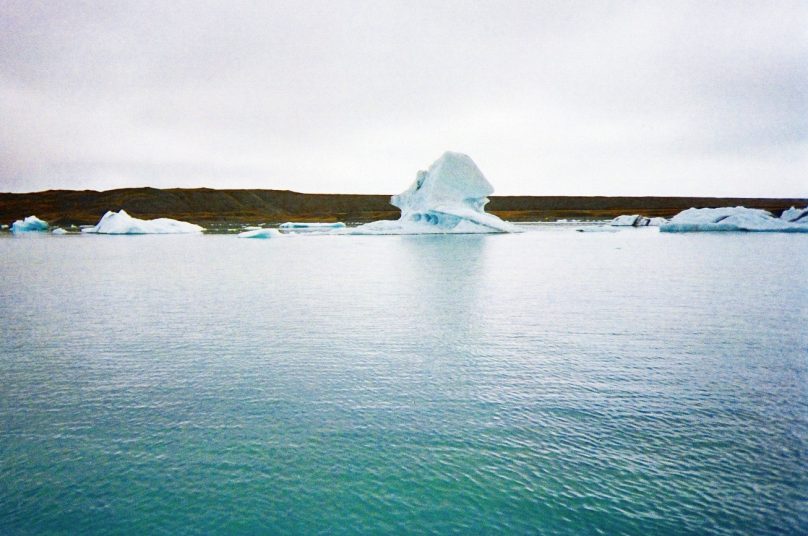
{"x": 204, "y": 205}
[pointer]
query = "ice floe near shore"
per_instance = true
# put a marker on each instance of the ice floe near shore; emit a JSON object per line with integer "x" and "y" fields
{"x": 736, "y": 219}
{"x": 447, "y": 198}
{"x": 31, "y": 224}
{"x": 121, "y": 223}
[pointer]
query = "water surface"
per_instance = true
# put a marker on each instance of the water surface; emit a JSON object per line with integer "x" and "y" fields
{"x": 550, "y": 382}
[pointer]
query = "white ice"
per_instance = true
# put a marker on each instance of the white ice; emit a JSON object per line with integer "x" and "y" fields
{"x": 121, "y": 223}
{"x": 29, "y": 225}
{"x": 259, "y": 233}
{"x": 730, "y": 219}
{"x": 447, "y": 198}
{"x": 59, "y": 231}
{"x": 635, "y": 220}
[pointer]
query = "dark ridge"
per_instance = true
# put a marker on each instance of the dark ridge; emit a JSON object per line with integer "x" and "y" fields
{"x": 205, "y": 205}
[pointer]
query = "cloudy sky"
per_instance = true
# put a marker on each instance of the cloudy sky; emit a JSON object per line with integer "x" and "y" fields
{"x": 576, "y": 98}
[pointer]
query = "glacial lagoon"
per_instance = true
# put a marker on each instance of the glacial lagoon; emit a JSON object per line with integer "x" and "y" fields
{"x": 547, "y": 382}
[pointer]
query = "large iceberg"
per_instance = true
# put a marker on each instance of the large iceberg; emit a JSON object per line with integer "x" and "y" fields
{"x": 121, "y": 223}
{"x": 29, "y": 225}
{"x": 732, "y": 219}
{"x": 447, "y": 198}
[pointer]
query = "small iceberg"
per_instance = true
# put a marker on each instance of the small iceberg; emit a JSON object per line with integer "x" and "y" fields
{"x": 635, "y": 220}
{"x": 59, "y": 231}
{"x": 447, "y": 198}
{"x": 733, "y": 219}
{"x": 310, "y": 227}
{"x": 259, "y": 233}
{"x": 121, "y": 223}
{"x": 31, "y": 224}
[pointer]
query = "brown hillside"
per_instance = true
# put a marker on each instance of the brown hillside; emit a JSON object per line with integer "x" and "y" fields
{"x": 204, "y": 205}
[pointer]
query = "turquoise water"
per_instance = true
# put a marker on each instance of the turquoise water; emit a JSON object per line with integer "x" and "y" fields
{"x": 551, "y": 382}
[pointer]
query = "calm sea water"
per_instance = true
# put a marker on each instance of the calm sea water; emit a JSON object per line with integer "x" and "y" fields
{"x": 551, "y": 382}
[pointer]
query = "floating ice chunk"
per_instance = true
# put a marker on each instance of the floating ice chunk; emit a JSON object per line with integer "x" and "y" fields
{"x": 259, "y": 233}
{"x": 30, "y": 224}
{"x": 730, "y": 219}
{"x": 634, "y": 220}
{"x": 297, "y": 225}
{"x": 123, "y": 224}
{"x": 448, "y": 198}
{"x": 311, "y": 227}
{"x": 59, "y": 231}
{"x": 795, "y": 215}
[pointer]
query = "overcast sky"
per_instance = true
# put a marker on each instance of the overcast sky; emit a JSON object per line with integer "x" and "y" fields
{"x": 575, "y": 98}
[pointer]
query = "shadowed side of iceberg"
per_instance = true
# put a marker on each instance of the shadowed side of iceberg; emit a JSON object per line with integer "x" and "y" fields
{"x": 795, "y": 215}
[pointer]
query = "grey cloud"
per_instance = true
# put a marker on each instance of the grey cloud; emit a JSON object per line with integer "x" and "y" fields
{"x": 549, "y": 97}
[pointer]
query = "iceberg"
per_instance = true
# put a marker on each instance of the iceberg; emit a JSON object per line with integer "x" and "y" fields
{"x": 731, "y": 219}
{"x": 59, "y": 231}
{"x": 31, "y": 224}
{"x": 259, "y": 233}
{"x": 310, "y": 226}
{"x": 447, "y": 198}
{"x": 635, "y": 220}
{"x": 121, "y": 223}
{"x": 795, "y": 215}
